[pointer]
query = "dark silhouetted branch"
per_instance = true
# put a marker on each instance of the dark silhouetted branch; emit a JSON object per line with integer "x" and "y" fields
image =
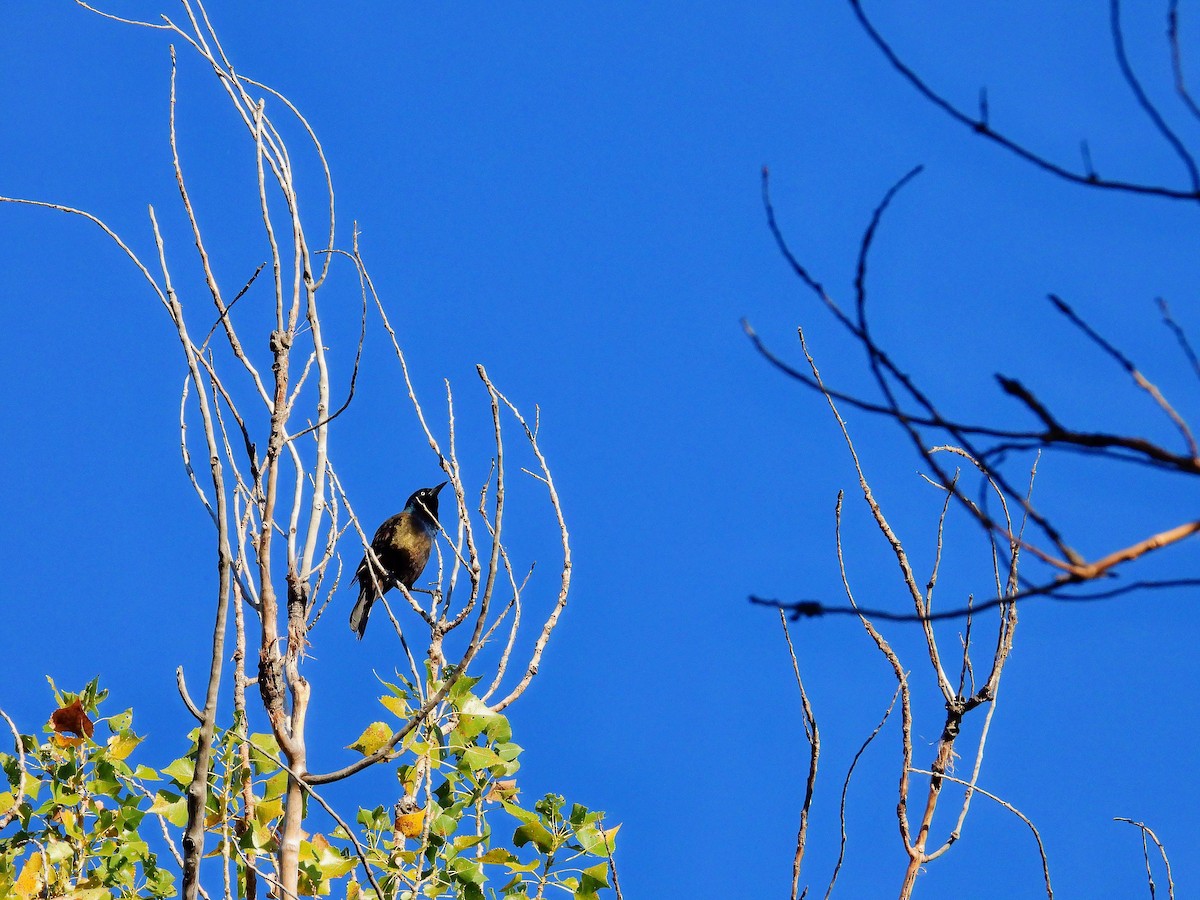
{"x": 982, "y": 127}
{"x": 1114, "y": 10}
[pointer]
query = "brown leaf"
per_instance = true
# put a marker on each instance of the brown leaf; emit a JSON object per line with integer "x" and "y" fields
{"x": 72, "y": 719}
{"x": 503, "y": 789}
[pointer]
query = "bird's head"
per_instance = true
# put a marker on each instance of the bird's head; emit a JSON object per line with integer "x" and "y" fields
{"x": 424, "y": 503}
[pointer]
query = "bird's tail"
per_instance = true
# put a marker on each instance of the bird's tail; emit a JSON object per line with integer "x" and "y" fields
{"x": 362, "y": 609}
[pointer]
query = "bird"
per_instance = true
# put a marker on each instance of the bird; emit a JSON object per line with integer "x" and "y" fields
{"x": 402, "y": 546}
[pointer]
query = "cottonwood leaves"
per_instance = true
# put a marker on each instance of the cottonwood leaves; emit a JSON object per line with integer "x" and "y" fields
{"x": 83, "y": 819}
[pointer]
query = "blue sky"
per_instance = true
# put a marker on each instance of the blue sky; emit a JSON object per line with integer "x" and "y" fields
{"x": 569, "y": 194}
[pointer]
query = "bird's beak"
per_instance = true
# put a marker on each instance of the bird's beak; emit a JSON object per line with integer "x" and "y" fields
{"x": 437, "y": 489}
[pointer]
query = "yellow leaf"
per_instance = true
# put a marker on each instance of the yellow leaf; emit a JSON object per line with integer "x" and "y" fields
{"x": 397, "y": 706}
{"x": 121, "y": 745}
{"x": 409, "y": 824}
{"x": 267, "y": 811}
{"x": 375, "y": 735}
{"x": 29, "y": 884}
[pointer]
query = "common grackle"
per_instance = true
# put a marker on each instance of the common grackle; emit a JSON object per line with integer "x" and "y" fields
{"x": 402, "y": 546}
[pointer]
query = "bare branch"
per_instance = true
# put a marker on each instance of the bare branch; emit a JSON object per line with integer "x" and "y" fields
{"x": 1138, "y": 378}
{"x": 1144, "y": 102}
{"x": 846, "y": 789}
{"x": 910, "y": 579}
{"x": 981, "y": 127}
{"x": 181, "y": 684}
{"x": 565, "y": 576}
{"x": 901, "y": 682}
{"x": 1016, "y": 812}
{"x": 19, "y": 788}
{"x": 1180, "y": 336}
{"x": 1147, "y": 831}
{"x": 814, "y": 744}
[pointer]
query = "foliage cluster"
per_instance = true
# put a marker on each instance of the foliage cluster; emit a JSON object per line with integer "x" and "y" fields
{"x": 87, "y": 822}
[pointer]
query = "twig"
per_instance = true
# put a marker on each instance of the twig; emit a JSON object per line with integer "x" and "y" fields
{"x": 1138, "y": 378}
{"x": 814, "y": 743}
{"x": 565, "y": 575}
{"x": 897, "y": 669}
{"x": 1146, "y": 830}
{"x": 197, "y": 791}
{"x": 1016, "y": 812}
{"x": 187, "y": 698}
{"x": 1180, "y": 336}
{"x": 910, "y": 579}
{"x": 846, "y": 789}
{"x": 1177, "y": 58}
{"x": 612, "y": 863}
{"x": 19, "y": 792}
{"x": 982, "y": 128}
{"x": 1139, "y": 93}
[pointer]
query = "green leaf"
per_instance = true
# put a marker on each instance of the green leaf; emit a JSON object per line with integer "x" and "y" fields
{"x": 444, "y": 826}
{"x": 92, "y": 695}
{"x": 579, "y": 814}
{"x": 330, "y": 863}
{"x": 498, "y": 856}
{"x": 550, "y": 806}
{"x": 519, "y": 867}
{"x": 466, "y": 842}
{"x": 467, "y": 870}
{"x": 58, "y": 695}
{"x": 474, "y": 716}
{"x": 592, "y": 839}
{"x": 517, "y": 812}
{"x": 104, "y": 782}
{"x": 267, "y": 811}
{"x": 160, "y": 882}
{"x": 594, "y": 878}
{"x": 535, "y": 832}
{"x": 120, "y": 722}
{"x": 376, "y": 819}
{"x": 461, "y": 690}
{"x": 477, "y": 758}
{"x": 276, "y": 785}
{"x": 266, "y": 761}
{"x": 259, "y": 838}
{"x": 180, "y": 771}
{"x": 172, "y": 807}
{"x": 514, "y": 887}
